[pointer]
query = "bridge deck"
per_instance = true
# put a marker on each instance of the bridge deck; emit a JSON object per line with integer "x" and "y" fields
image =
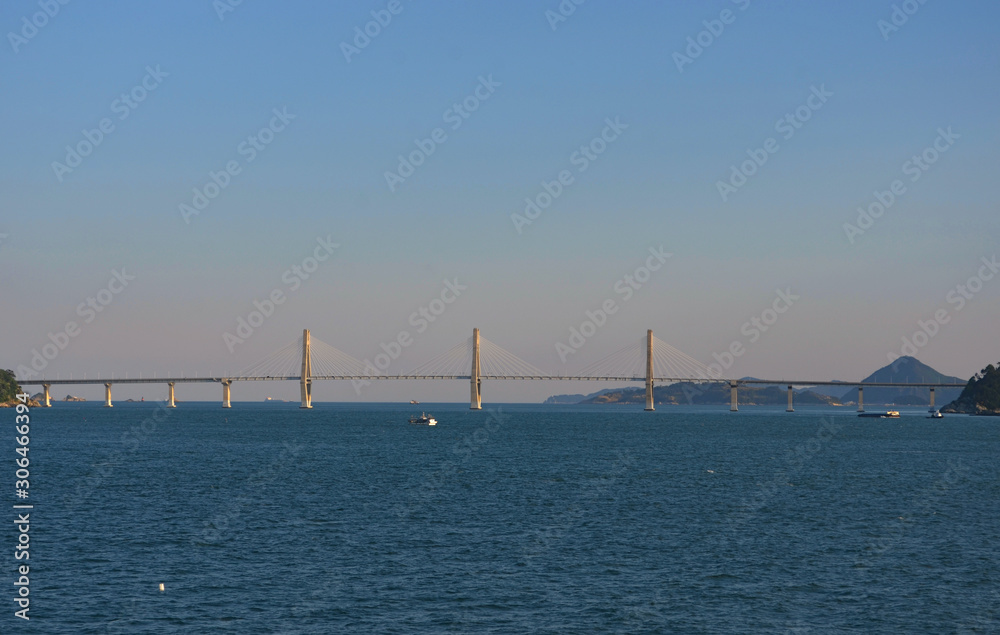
{"x": 661, "y": 380}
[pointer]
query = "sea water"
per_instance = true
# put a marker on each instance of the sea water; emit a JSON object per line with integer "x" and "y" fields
{"x": 265, "y": 518}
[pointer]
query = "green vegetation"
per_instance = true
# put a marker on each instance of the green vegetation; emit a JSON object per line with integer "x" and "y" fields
{"x": 8, "y": 386}
{"x": 981, "y": 395}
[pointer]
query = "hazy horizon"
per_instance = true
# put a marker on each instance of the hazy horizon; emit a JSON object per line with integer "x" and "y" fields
{"x": 267, "y": 136}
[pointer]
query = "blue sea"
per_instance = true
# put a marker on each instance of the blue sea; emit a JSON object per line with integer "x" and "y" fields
{"x": 265, "y": 518}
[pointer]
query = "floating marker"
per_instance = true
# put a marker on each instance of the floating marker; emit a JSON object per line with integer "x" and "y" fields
{"x": 161, "y": 586}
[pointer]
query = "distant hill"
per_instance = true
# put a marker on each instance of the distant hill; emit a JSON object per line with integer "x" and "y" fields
{"x": 906, "y": 370}
{"x": 829, "y": 391}
{"x": 903, "y": 370}
{"x": 709, "y": 393}
{"x": 566, "y": 399}
{"x": 981, "y": 395}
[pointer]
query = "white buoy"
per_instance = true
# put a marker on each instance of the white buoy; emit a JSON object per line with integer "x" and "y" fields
{"x": 161, "y": 586}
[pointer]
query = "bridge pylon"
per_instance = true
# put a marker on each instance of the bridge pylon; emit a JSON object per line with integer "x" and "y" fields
{"x": 305, "y": 377}
{"x": 649, "y": 370}
{"x": 476, "y": 401}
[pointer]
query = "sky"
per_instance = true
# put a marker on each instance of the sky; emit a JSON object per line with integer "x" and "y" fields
{"x": 175, "y": 161}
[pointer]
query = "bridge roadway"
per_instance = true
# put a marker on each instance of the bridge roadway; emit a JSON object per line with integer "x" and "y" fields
{"x": 738, "y": 382}
{"x": 476, "y": 380}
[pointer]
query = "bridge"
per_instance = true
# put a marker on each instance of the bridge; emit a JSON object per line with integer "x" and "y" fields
{"x": 307, "y": 360}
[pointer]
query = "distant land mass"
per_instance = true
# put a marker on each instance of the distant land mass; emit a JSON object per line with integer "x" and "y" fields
{"x": 564, "y": 399}
{"x": 709, "y": 393}
{"x": 981, "y": 395}
{"x": 906, "y": 370}
{"x": 903, "y": 370}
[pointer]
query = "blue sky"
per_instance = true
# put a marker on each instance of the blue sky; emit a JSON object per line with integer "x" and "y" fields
{"x": 656, "y": 184}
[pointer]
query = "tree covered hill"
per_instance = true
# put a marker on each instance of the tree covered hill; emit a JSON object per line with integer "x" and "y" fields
{"x": 981, "y": 395}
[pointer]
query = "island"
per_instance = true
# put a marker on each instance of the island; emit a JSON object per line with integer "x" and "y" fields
{"x": 981, "y": 395}
{"x": 9, "y": 390}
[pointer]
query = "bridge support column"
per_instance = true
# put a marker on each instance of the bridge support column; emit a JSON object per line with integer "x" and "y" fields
{"x": 931, "y": 409}
{"x": 790, "y": 409}
{"x": 476, "y": 401}
{"x": 225, "y": 393}
{"x": 107, "y": 395}
{"x": 861, "y": 398}
{"x": 305, "y": 378}
{"x": 732, "y": 397}
{"x": 47, "y": 401}
{"x": 170, "y": 395}
{"x": 649, "y": 370}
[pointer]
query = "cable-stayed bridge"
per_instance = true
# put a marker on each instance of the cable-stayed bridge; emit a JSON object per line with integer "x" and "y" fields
{"x": 307, "y": 360}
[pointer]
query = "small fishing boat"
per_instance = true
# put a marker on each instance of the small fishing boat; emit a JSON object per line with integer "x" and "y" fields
{"x": 935, "y": 414}
{"x": 414, "y": 401}
{"x": 424, "y": 420}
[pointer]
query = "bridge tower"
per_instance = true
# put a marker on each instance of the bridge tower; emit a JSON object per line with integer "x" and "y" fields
{"x": 476, "y": 402}
{"x": 305, "y": 377}
{"x": 649, "y": 370}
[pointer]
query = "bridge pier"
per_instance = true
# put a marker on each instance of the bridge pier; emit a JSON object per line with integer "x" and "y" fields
{"x": 931, "y": 409}
{"x": 225, "y": 393}
{"x": 170, "y": 395}
{"x": 475, "y": 384}
{"x": 47, "y": 401}
{"x": 649, "y": 370}
{"x": 305, "y": 377}
{"x": 107, "y": 395}
{"x": 861, "y": 398}
{"x": 790, "y": 409}
{"x": 732, "y": 397}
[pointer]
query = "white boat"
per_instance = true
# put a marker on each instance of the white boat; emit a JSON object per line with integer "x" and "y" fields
{"x": 424, "y": 420}
{"x": 935, "y": 414}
